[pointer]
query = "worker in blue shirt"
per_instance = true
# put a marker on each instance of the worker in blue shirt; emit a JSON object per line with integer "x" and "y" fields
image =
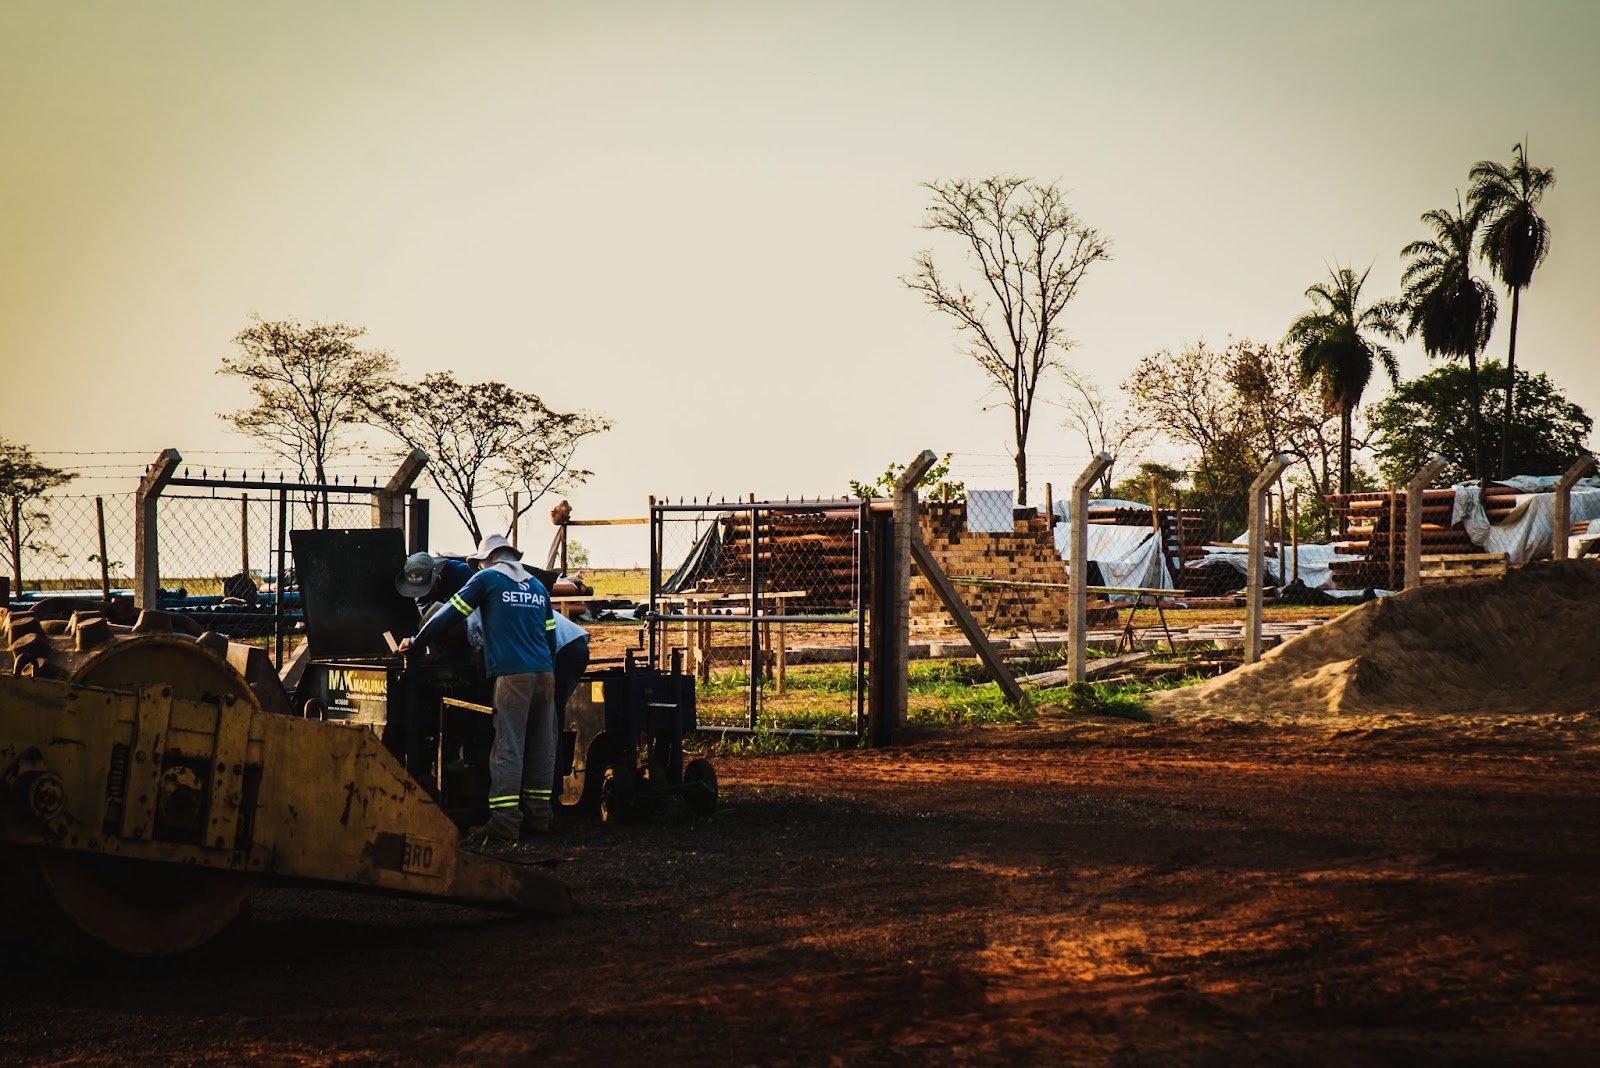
{"x": 519, "y": 655}
{"x": 409, "y": 731}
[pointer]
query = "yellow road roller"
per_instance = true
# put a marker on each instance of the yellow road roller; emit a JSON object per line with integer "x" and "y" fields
{"x": 144, "y": 791}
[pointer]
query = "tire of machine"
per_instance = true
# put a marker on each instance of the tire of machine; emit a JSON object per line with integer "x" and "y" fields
{"x": 62, "y": 904}
{"x": 700, "y": 786}
{"x": 617, "y": 794}
{"x": 655, "y": 799}
{"x": 601, "y": 754}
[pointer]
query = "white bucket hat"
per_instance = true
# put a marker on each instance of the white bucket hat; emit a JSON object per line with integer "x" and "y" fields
{"x": 493, "y": 544}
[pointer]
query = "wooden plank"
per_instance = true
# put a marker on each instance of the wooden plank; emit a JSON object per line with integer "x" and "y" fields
{"x": 1062, "y": 676}
{"x": 958, "y": 611}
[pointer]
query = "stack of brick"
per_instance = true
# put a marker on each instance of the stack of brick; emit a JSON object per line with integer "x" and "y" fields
{"x": 1025, "y": 554}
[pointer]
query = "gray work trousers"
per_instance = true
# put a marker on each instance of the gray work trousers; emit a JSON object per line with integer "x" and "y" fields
{"x": 522, "y": 762}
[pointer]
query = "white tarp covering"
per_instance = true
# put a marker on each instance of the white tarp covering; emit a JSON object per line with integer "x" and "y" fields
{"x": 1131, "y": 555}
{"x": 1313, "y": 570}
{"x": 1526, "y": 533}
{"x": 1125, "y": 555}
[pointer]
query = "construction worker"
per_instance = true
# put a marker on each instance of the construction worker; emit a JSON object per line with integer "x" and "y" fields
{"x": 430, "y": 581}
{"x": 519, "y": 656}
{"x": 572, "y": 660}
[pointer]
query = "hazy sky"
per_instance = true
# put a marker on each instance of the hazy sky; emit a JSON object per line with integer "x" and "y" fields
{"x": 693, "y": 217}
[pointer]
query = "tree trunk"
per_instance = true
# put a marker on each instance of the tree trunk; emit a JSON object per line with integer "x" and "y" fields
{"x": 1345, "y": 428}
{"x": 1478, "y": 470}
{"x": 1022, "y": 476}
{"x": 1511, "y": 385}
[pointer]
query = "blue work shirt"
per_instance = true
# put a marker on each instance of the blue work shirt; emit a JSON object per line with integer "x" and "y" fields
{"x": 516, "y": 622}
{"x": 452, "y": 578}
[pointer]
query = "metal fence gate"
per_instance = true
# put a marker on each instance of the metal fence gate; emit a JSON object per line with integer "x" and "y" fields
{"x": 765, "y": 604}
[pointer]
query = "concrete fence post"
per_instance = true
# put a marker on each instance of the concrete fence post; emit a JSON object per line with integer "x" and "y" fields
{"x": 1414, "y": 503}
{"x": 389, "y": 503}
{"x": 1258, "y": 556}
{"x": 1078, "y": 566}
{"x": 1563, "y": 517}
{"x": 906, "y": 519}
{"x": 146, "y": 532}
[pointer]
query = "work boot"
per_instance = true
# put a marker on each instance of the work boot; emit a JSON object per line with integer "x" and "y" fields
{"x": 499, "y": 833}
{"x": 536, "y": 820}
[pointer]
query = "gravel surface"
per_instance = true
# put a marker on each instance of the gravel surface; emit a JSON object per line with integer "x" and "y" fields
{"x": 1079, "y": 891}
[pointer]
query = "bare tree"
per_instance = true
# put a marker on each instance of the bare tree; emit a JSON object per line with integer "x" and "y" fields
{"x": 486, "y": 441}
{"x": 1103, "y": 427}
{"x": 1031, "y": 252}
{"x": 23, "y": 480}
{"x": 311, "y": 384}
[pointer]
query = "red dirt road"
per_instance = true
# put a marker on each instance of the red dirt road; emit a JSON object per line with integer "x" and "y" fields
{"x": 1087, "y": 892}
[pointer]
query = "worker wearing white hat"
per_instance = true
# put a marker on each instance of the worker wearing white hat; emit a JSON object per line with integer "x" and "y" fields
{"x": 519, "y": 655}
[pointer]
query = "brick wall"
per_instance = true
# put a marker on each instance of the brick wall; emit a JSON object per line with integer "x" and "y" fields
{"x": 1027, "y": 554}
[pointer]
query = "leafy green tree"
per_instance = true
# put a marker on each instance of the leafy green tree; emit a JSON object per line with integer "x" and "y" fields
{"x": 1336, "y": 346}
{"x": 486, "y": 441}
{"x": 936, "y": 482}
{"x": 1451, "y": 311}
{"x": 1423, "y": 415}
{"x": 1230, "y": 409}
{"x": 23, "y": 480}
{"x": 1030, "y": 252}
{"x": 1515, "y": 241}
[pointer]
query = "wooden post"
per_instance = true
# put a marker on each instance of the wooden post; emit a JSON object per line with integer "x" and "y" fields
{"x": 1155, "y": 508}
{"x": 1258, "y": 524}
{"x": 1177, "y": 513}
{"x": 1078, "y": 567}
{"x": 16, "y": 543}
{"x": 1394, "y": 522}
{"x": 906, "y": 518}
{"x": 244, "y": 534}
{"x": 146, "y": 536}
{"x": 389, "y": 503}
{"x": 1050, "y": 504}
{"x": 1294, "y": 532}
{"x": 781, "y": 666}
{"x": 1414, "y": 493}
{"x": 1563, "y": 505}
{"x": 105, "y": 566}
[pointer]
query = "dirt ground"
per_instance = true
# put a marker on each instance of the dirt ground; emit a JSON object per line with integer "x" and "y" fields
{"x": 1391, "y": 891}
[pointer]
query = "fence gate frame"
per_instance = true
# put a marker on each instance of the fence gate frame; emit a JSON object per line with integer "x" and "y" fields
{"x": 755, "y": 617}
{"x": 392, "y": 503}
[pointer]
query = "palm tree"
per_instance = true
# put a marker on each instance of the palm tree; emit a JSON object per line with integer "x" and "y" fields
{"x": 1451, "y": 311}
{"x": 1337, "y": 346}
{"x": 1515, "y": 241}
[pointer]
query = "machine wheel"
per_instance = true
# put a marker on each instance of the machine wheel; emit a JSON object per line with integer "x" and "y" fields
{"x": 617, "y": 794}
{"x": 601, "y": 753}
{"x": 143, "y": 908}
{"x": 655, "y": 793}
{"x": 700, "y": 786}
{"x": 146, "y": 908}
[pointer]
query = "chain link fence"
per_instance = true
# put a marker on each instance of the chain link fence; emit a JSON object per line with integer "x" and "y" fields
{"x": 764, "y": 604}
{"x": 61, "y": 543}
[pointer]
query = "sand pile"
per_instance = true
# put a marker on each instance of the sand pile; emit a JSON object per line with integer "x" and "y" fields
{"x": 1528, "y": 642}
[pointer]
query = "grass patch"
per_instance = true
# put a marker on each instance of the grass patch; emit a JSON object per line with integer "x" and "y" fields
{"x": 618, "y": 582}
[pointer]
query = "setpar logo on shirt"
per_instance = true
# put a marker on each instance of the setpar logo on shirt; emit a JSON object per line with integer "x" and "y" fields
{"x": 521, "y": 595}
